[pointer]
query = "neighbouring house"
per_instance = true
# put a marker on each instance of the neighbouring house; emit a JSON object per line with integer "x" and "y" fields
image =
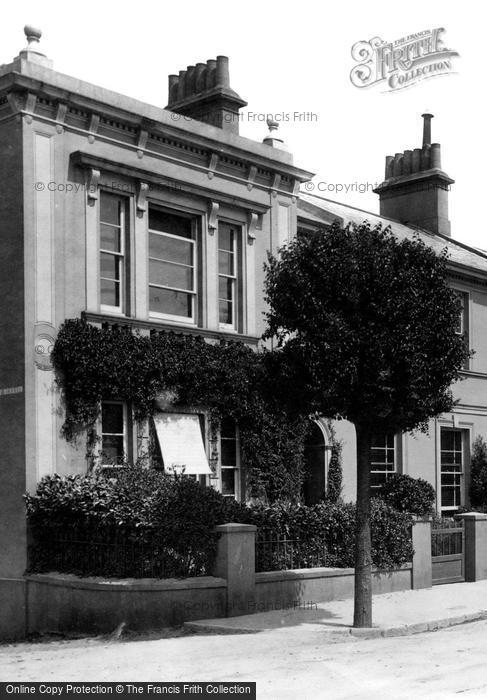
{"x": 123, "y": 213}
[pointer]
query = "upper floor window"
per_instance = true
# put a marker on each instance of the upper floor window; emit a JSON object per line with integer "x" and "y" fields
{"x": 462, "y": 325}
{"x": 228, "y": 282}
{"x": 113, "y": 267}
{"x": 172, "y": 266}
{"x": 382, "y": 459}
{"x": 229, "y": 459}
{"x": 114, "y": 432}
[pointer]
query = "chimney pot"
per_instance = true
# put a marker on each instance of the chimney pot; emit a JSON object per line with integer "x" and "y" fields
{"x": 427, "y": 117}
{"x": 181, "y": 84}
{"x": 389, "y": 167}
{"x": 407, "y": 162}
{"x": 397, "y": 167}
{"x": 435, "y": 156}
{"x": 222, "y": 72}
{"x": 210, "y": 73}
{"x": 416, "y": 164}
{"x": 425, "y": 157}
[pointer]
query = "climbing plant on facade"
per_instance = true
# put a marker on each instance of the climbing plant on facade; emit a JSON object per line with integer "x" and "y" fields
{"x": 224, "y": 378}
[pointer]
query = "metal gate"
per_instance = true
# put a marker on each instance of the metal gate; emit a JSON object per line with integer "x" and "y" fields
{"x": 448, "y": 551}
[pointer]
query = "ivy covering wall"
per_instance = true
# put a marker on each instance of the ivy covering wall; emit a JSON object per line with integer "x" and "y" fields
{"x": 224, "y": 378}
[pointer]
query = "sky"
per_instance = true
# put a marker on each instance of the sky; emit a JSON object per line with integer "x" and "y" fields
{"x": 291, "y": 59}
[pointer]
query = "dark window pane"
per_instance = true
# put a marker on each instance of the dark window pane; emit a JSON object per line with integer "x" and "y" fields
{"x": 169, "y": 223}
{"x": 110, "y": 238}
{"x": 110, "y": 208}
{"x": 170, "y": 249}
{"x": 228, "y": 453}
{"x": 110, "y": 266}
{"x": 112, "y": 447}
{"x": 447, "y": 440}
{"x": 226, "y": 312}
{"x": 170, "y": 275}
{"x": 377, "y": 480}
{"x": 228, "y": 429}
{"x": 447, "y": 496}
{"x": 228, "y": 482}
{"x": 112, "y": 418}
{"x": 225, "y": 263}
{"x": 165, "y": 301}
{"x": 109, "y": 293}
{"x": 226, "y": 237}
{"x": 225, "y": 288}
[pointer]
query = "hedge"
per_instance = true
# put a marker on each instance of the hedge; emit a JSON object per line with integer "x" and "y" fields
{"x": 147, "y": 523}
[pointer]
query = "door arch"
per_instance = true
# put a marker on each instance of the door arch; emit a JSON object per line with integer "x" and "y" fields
{"x": 316, "y": 463}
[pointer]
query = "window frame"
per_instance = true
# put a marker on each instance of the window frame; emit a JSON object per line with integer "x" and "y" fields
{"x": 125, "y": 435}
{"x": 123, "y": 307}
{"x": 236, "y": 278}
{"x": 196, "y": 253}
{"x": 386, "y": 472}
{"x": 237, "y": 469}
{"x": 464, "y": 297}
{"x": 445, "y": 510}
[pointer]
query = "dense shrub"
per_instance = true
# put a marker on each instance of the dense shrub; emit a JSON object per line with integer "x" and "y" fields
{"x": 408, "y": 495}
{"x": 176, "y": 516}
{"x": 147, "y": 523}
{"x": 478, "y": 473}
{"x": 334, "y": 525}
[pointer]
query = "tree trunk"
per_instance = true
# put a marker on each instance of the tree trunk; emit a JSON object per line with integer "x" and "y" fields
{"x": 362, "y": 614}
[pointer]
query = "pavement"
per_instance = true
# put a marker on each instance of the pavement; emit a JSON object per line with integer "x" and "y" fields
{"x": 394, "y": 614}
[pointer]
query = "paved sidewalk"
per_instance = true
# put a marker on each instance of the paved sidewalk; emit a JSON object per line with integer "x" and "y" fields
{"x": 393, "y": 614}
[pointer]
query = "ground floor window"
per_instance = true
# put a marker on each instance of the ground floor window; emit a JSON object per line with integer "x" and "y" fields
{"x": 229, "y": 459}
{"x": 114, "y": 433}
{"x": 181, "y": 441}
{"x": 383, "y": 459}
{"x": 451, "y": 469}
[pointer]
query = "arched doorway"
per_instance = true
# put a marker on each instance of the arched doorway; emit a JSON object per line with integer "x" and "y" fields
{"x": 315, "y": 457}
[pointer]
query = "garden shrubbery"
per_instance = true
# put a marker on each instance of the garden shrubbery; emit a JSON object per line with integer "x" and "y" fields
{"x": 145, "y": 523}
{"x": 408, "y": 495}
{"x": 478, "y": 474}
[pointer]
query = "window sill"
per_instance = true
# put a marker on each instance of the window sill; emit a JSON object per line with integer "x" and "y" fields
{"x": 155, "y": 325}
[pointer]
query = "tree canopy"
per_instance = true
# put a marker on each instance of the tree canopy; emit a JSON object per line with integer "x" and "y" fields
{"x": 367, "y": 322}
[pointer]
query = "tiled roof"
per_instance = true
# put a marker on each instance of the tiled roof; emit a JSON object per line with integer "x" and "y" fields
{"x": 459, "y": 253}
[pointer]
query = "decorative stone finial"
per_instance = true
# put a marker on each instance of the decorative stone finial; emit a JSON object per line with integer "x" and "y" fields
{"x": 273, "y": 138}
{"x": 272, "y": 124}
{"x": 33, "y": 35}
{"x": 32, "y": 53}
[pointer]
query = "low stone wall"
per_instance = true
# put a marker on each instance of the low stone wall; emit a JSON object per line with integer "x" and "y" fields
{"x": 305, "y": 587}
{"x": 67, "y": 603}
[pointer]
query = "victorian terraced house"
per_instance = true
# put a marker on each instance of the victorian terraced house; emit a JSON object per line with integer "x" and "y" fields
{"x": 124, "y": 213}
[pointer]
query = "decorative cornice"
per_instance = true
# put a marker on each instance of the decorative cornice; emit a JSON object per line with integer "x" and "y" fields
{"x": 133, "y": 121}
{"x": 90, "y": 162}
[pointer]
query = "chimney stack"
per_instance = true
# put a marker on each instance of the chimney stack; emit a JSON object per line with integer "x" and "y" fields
{"x": 415, "y": 188}
{"x": 203, "y": 93}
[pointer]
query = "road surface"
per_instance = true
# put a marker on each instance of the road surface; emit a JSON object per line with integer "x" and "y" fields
{"x": 285, "y": 663}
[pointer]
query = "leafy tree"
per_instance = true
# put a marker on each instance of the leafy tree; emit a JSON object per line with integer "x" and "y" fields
{"x": 366, "y": 325}
{"x": 478, "y": 473}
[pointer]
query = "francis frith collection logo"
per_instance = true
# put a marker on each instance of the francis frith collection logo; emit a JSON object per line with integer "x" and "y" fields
{"x": 403, "y": 62}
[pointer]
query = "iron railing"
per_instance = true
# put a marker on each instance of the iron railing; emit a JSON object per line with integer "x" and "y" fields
{"x": 276, "y": 552}
{"x": 114, "y": 552}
